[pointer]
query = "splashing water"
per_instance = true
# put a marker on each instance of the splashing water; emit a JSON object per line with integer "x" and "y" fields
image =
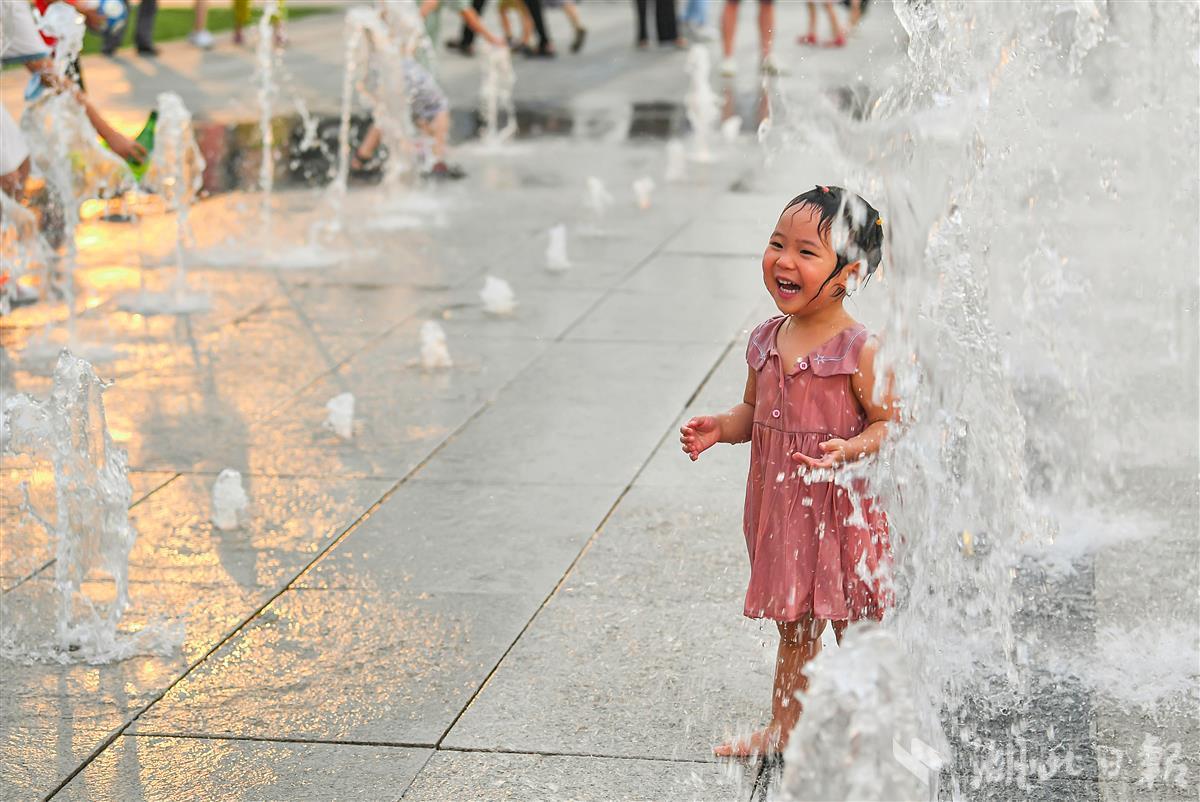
{"x": 701, "y": 102}
{"x": 26, "y": 252}
{"x": 65, "y": 148}
{"x": 496, "y": 95}
{"x": 643, "y": 188}
{"x": 598, "y": 196}
{"x": 556, "y": 249}
{"x": 1002, "y": 282}
{"x": 435, "y": 355}
{"x": 340, "y": 415}
{"x": 267, "y": 58}
{"x": 375, "y": 69}
{"x": 859, "y": 706}
{"x": 229, "y": 500}
{"x": 676, "y": 169}
{"x": 176, "y": 172}
{"x": 731, "y": 129}
{"x": 497, "y": 296}
{"x": 88, "y": 523}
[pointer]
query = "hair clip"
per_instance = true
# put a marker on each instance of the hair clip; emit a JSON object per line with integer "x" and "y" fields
{"x": 823, "y": 189}
{"x": 879, "y": 222}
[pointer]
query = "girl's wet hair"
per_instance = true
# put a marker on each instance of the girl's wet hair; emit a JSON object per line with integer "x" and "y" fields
{"x": 851, "y": 226}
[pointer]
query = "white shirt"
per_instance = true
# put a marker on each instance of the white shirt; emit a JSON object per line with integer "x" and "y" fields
{"x": 19, "y": 38}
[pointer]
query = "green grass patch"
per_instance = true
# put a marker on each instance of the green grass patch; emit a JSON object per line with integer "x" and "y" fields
{"x": 176, "y": 23}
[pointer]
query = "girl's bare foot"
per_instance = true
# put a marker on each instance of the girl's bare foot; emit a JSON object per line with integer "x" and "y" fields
{"x": 767, "y": 741}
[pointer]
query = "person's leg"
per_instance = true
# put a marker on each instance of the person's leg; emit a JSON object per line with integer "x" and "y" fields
{"x": 799, "y": 642}
{"x": 545, "y": 46}
{"x": 526, "y": 23}
{"x": 467, "y": 39}
{"x": 810, "y": 38}
{"x": 143, "y": 36}
{"x": 200, "y": 21}
{"x": 643, "y": 35}
{"x": 766, "y": 26}
{"x": 437, "y": 129}
{"x": 572, "y": 11}
{"x": 110, "y": 41}
{"x": 728, "y": 27}
{"x": 665, "y": 21}
{"x": 366, "y": 148}
{"x": 839, "y": 34}
{"x": 855, "y": 12}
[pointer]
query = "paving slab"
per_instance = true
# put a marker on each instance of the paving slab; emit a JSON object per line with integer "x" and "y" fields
{"x": 490, "y": 776}
{"x": 365, "y": 665}
{"x": 689, "y": 536}
{"x": 583, "y": 392}
{"x": 745, "y": 239}
{"x": 34, "y": 758}
{"x": 682, "y": 316}
{"x": 683, "y": 275}
{"x": 25, "y": 546}
{"x": 594, "y": 675}
{"x": 402, "y": 411}
{"x": 142, "y": 769}
{"x": 289, "y": 521}
{"x": 484, "y": 537}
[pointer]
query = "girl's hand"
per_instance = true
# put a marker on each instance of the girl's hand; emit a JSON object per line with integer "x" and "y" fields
{"x": 698, "y": 434}
{"x": 835, "y": 455}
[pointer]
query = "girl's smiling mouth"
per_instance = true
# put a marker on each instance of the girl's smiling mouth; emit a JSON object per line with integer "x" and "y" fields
{"x": 787, "y": 289}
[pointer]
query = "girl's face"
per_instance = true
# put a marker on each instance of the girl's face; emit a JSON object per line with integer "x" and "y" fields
{"x": 798, "y": 260}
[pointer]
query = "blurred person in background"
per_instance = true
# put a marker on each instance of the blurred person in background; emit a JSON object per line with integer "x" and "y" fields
{"x": 666, "y": 24}
{"x": 766, "y": 33}
{"x": 143, "y": 32}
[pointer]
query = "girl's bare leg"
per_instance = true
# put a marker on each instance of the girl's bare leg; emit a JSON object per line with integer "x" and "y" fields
{"x": 855, "y": 12}
{"x": 799, "y": 642}
{"x": 200, "y": 22}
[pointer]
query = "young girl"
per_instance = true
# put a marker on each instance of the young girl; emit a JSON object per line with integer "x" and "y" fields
{"x": 818, "y": 550}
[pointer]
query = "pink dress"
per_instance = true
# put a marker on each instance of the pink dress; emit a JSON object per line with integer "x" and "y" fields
{"x": 809, "y": 553}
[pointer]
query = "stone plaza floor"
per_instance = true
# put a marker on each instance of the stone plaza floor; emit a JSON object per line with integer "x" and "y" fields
{"x": 509, "y": 584}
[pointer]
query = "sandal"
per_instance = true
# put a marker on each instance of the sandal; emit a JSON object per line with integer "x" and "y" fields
{"x": 837, "y": 41}
{"x": 807, "y": 39}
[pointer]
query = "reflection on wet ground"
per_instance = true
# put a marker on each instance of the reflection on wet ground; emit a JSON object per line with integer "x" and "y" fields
{"x": 233, "y": 151}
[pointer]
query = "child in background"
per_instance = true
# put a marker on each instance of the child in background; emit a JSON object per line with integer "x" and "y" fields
{"x": 241, "y": 18}
{"x": 430, "y": 113}
{"x": 839, "y": 33}
{"x": 818, "y": 543}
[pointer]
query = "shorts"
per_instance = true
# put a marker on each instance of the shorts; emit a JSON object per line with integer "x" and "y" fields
{"x": 426, "y": 99}
{"x": 13, "y": 150}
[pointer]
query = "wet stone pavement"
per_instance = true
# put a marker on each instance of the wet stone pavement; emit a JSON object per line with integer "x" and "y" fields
{"x": 509, "y": 584}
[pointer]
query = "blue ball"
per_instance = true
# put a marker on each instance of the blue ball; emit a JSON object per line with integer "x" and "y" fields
{"x": 116, "y": 14}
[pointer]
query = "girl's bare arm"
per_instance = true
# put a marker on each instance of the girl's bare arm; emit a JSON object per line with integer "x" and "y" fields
{"x": 880, "y": 413}
{"x": 705, "y": 431}
{"x": 738, "y": 422}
